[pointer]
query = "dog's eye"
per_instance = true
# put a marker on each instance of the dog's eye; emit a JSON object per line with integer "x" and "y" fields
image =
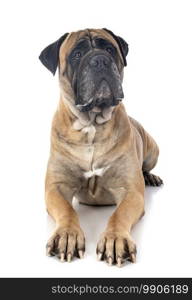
{"x": 77, "y": 54}
{"x": 109, "y": 50}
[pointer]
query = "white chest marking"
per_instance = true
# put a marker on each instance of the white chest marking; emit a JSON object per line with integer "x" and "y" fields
{"x": 90, "y": 131}
{"x": 96, "y": 172}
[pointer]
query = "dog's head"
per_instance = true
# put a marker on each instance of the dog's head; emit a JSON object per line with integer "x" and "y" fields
{"x": 90, "y": 65}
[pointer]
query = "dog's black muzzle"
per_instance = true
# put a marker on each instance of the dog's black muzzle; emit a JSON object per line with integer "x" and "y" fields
{"x": 97, "y": 81}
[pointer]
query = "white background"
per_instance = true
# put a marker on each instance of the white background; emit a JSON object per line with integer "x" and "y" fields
{"x": 158, "y": 93}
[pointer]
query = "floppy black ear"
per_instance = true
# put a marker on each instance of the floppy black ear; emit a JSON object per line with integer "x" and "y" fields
{"x": 50, "y": 55}
{"x": 123, "y": 46}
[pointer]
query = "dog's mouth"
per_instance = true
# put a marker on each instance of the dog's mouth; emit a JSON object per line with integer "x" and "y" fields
{"x": 97, "y": 85}
{"x": 103, "y": 97}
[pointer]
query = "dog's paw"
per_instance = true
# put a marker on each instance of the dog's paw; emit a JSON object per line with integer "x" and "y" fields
{"x": 115, "y": 248}
{"x": 151, "y": 179}
{"x": 66, "y": 242}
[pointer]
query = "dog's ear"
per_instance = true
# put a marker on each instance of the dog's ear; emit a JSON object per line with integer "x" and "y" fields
{"x": 123, "y": 46}
{"x": 50, "y": 55}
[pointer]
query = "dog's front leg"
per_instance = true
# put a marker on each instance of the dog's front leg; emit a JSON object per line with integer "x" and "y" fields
{"x": 116, "y": 243}
{"x": 68, "y": 238}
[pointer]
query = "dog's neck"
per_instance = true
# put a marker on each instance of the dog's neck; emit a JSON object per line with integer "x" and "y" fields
{"x": 84, "y": 119}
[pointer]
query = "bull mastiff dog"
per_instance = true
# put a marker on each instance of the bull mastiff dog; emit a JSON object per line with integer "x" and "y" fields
{"x": 98, "y": 154}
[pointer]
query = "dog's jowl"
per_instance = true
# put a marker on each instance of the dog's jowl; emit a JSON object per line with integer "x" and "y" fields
{"x": 98, "y": 153}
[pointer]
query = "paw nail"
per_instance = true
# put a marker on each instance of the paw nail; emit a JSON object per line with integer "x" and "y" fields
{"x": 48, "y": 251}
{"x": 62, "y": 257}
{"x": 69, "y": 256}
{"x": 119, "y": 264}
{"x": 99, "y": 256}
{"x": 133, "y": 257}
{"x": 110, "y": 261}
{"x": 81, "y": 254}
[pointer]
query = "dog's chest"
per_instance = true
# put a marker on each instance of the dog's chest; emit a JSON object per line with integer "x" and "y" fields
{"x": 96, "y": 181}
{"x": 91, "y": 152}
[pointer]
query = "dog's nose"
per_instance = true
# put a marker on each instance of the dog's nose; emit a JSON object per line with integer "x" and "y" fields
{"x": 99, "y": 61}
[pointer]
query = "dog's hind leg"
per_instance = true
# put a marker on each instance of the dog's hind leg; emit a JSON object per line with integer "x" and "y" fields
{"x": 150, "y": 155}
{"x": 151, "y": 179}
{"x": 150, "y": 160}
